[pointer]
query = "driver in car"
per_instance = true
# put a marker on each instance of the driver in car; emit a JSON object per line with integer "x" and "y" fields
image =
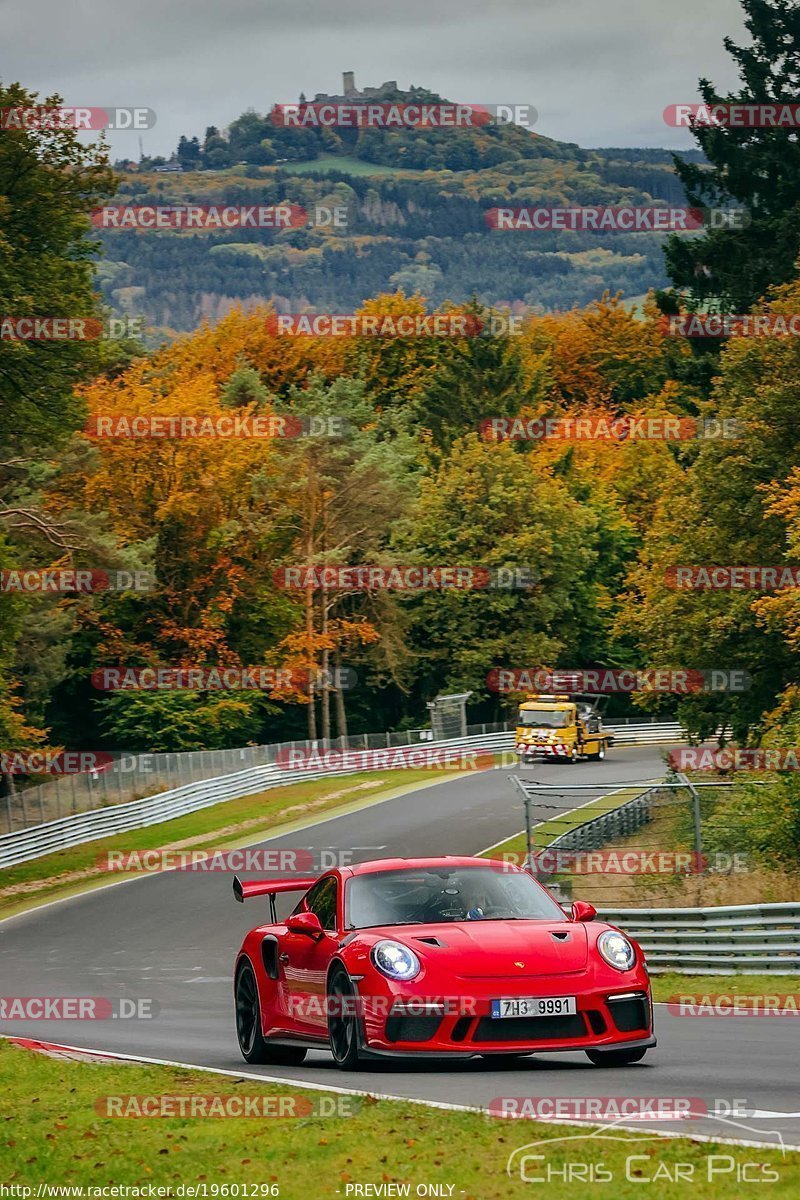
{"x": 458, "y": 901}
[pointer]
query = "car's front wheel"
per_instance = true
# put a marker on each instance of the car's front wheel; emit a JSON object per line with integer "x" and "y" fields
{"x": 343, "y": 1031}
{"x": 254, "y": 1046}
{"x": 616, "y": 1058}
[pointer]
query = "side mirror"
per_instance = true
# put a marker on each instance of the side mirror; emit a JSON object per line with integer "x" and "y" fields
{"x": 582, "y": 910}
{"x": 307, "y": 923}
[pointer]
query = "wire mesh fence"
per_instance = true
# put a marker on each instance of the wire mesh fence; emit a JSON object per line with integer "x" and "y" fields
{"x": 643, "y": 843}
{"x": 132, "y": 776}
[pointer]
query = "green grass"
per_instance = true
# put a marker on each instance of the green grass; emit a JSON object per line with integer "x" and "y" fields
{"x": 230, "y": 824}
{"x": 671, "y": 984}
{"x": 335, "y": 162}
{"x": 52, "y": 1133}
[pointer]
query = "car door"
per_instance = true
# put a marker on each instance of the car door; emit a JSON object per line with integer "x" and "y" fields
{"x": 304, "y": 962}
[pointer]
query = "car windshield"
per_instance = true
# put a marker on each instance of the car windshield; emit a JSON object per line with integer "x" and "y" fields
{"x": 445, "y": 894}
{"x": 543, "y": 718}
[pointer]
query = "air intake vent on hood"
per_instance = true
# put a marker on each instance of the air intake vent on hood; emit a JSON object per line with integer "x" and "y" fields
{"x": 430, "y": 941}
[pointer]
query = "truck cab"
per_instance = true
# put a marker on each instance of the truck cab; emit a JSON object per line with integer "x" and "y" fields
{"x": 560, "y": 728}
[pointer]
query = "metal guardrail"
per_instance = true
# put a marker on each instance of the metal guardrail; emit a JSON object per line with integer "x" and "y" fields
{"x": 46, "y": 838}
{"x": 749, "y": 939}
{"x": 599, "y": 831}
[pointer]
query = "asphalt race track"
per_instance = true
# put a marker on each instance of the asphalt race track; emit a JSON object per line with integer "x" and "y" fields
{"x": 173, "y": 937}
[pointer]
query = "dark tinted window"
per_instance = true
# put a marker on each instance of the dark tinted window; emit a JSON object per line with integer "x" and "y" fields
{"x": 433, "y": 894}
{"x": 321, "y": 899}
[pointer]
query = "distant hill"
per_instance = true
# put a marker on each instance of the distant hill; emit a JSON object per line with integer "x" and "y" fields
{"x": 416, "y": 202}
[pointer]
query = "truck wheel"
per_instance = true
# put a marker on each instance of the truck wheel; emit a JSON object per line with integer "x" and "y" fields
{"x": 574, "y": 755}
{"x": 601, "y": 753}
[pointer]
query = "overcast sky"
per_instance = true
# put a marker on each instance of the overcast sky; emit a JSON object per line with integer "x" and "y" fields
{"x": 599, "y": 72}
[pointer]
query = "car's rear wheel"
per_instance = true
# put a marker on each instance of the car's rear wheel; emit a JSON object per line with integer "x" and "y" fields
{"x": 343, "y": 1030}
{"x": 616, "y": 1058}
{"x": 254, "y": 1046}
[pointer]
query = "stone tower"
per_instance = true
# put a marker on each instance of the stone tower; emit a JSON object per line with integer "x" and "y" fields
{"x": 348, "y": 82}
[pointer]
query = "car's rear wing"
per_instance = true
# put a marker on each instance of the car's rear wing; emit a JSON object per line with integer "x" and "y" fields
{"x": 269, "y": 888}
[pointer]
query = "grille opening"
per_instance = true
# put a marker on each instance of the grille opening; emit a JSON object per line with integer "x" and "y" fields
{"x": 534, "y": 1029}
{"x": 411, "y": 1029}
{"x": 269, "y": 956}
{"x": 596, "y": 1021}
{"x": 630, "y": 1014}
{"x": 461, "y": 1029}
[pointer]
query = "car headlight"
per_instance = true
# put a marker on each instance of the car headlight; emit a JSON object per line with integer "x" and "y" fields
{"x": 616, "y": 950}
{"x": 395, "y": 960}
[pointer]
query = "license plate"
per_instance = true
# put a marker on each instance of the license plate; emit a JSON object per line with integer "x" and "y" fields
{"x": 535, "y": 1006}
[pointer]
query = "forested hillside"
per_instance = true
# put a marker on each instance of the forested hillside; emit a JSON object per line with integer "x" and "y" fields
{"x": 416, "y": 204}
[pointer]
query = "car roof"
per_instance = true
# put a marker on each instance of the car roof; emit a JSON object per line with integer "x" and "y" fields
{"x": 399, "y": 864}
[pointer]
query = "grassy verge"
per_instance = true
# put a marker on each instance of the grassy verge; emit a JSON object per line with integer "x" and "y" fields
{"x": 51, "y": 1132}
{"x": 671, "y": 984}
{"x": 228, "y": 825}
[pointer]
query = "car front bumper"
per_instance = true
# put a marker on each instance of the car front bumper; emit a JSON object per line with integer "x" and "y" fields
{"x": 604, "y": 1020}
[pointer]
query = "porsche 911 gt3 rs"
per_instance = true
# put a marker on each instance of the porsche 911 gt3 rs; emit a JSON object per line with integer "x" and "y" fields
{"x": 436, "y": 957}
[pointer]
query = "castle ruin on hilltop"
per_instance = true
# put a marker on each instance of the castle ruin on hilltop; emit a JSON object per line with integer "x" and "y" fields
{"x": 351, "y": 94}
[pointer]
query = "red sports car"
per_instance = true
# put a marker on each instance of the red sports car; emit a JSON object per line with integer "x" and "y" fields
{"x": 436, "y": 957}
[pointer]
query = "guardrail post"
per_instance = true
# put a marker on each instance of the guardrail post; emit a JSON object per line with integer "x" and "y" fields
{"x": 698, "y": 828}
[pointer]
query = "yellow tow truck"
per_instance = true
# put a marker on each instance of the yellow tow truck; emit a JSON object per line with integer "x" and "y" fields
{"x": 561, "y": 729}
